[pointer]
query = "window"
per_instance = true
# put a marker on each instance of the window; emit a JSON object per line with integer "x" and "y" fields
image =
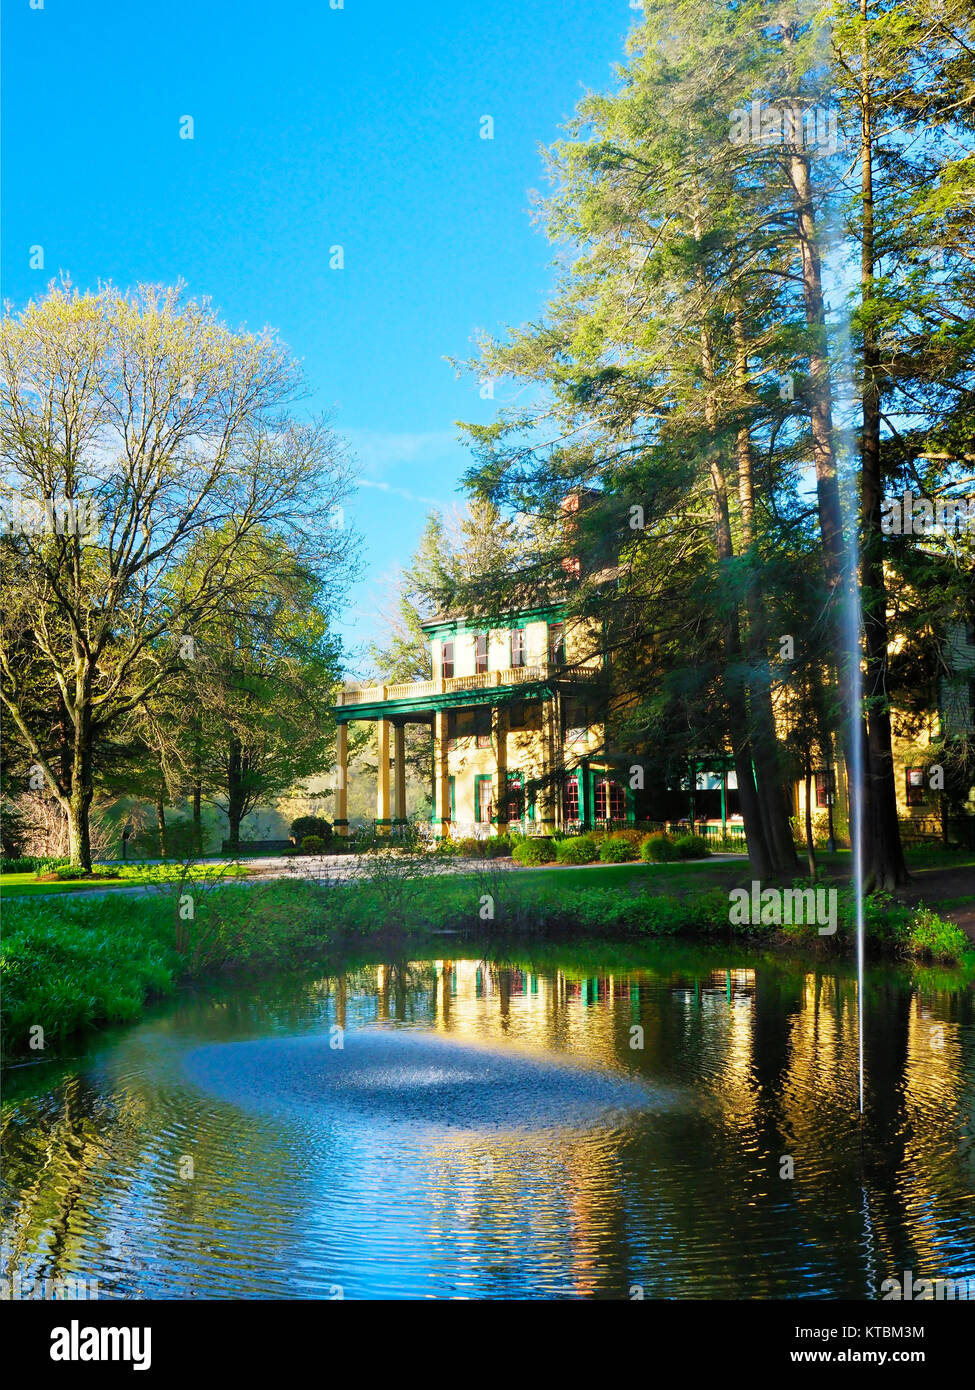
{"x": 571, "y": 799}
{"x": 577, "y": 718}
{"x": 915, "y": 786}
{"x": 518, "y": 647}
{"x": 447, "y": 661}
{"x": 610, "y": 801}
{"x": 482, "y": 726}
{"x": 480, "y": 652}
{"x": 556, "y": 644}
{"x": 483, "y": 799}
{"x": 825, "y": 789}
{"x": 516, "y": 797}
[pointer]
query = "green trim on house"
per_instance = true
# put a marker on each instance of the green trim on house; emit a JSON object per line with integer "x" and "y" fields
{"x": 451, "y": 699}
{"x": 505, "y": 622}
{"x": 438, "y": 820}
{"x": 479, "y": 779}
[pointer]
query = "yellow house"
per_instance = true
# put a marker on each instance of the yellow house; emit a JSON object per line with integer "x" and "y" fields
{"x": 517, "y": 718}
{"x": 918, "y": 777}
{"x": 518, "y": 737}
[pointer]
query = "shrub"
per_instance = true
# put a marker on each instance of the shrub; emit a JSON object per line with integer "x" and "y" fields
{"x": 658, "y": 848}
{"x": 691, "y": 847}
{"x": 617, "y": 849}
{"x": 66, "y": 872}
{"x": 578, "y": 849}
{"x": 536, "y": 849}
{"x": 930, "y": 935}
{"x": 310, "y": 825}
{"x": 632, "y": 834}
{"x": 312, "y": 844}
{"x": 498, "y": 846}
{"x": 469, "y": 848}
{"x": 50, "y": 865}
{"x": 17, "y": 866}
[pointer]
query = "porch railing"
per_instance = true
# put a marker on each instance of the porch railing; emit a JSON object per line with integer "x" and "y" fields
{"x": 483, "y": 680}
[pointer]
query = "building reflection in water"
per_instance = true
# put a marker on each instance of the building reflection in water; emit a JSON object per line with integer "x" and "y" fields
{"x": 747, "y": 1175}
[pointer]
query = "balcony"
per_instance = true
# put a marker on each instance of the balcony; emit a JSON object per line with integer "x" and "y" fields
{"x": 487, "y": 680}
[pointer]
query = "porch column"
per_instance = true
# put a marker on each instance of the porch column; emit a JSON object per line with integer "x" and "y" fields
{"x": 399, "y": 757}
{"x": 341, "y": 817}
{"x": 724, "y": 802}
{"x": 441, "y": 775}
{"x": 499, "y": 721}
{"x": 382, "y": 778}
{"x": 547, "y": 793}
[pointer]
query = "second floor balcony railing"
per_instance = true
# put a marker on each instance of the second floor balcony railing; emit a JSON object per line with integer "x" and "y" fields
{"x": 485, "y": 680}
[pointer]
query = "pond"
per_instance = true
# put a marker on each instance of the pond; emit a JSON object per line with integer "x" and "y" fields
{"x": 582, "y": 1121}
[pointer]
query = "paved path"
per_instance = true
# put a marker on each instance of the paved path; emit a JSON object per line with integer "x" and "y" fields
{"x": 326, "y": 868}
{"x": 330, "y": 869}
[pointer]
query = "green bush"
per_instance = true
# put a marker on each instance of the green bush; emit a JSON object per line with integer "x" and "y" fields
{"x": 691, "y": 847}
{"x": 310, "y": 825}
{"x": 617, "y": 849}
{"x": 536, "y": 849}
{"x": 577, "y": 849}
{"x": 18, "y": 866}
{"x": 499, "y": 846}
{"x": 469, "y": 848}
{"x": 631, "y": 833}
{"x": 931, "y": 936}
{"x": 312, "y": 844}
{"x": 658, "y": 848}
{"x": 49, "y": 866}
{"x": 66, "y": 873}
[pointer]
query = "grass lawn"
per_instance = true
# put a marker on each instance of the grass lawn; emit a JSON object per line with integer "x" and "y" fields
{"x": 670, "y": 877}
{"x": 68, "y": 965}
{"x": 26, "y": 885}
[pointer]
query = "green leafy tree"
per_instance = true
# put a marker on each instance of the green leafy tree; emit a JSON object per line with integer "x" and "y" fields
{"x": 163, "y": 425}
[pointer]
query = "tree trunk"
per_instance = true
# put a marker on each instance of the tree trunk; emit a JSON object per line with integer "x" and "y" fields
{"x": 235, "y": 794}
{"x": 810, "y": 845}
{"x": 884, "y": 867}
{"x": 768, "y": 763}
{"x": 161, "y": 824}
{"x": 840, "y": 582}
{"x": 733, "y": 686}
{"x": 820, "y": 388}
{"x": 82, "y": 791}
{"x": 197, "y": 819}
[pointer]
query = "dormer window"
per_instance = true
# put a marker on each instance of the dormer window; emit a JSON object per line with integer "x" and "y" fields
{"x": 518, "y": 647}
{"x": 480, "y": 653}
{"x": 447, "y": 661}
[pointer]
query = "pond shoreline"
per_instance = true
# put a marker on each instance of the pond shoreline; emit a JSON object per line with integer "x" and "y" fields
{"x": 72, "y": 963}
{"x": 531, "y": 1118}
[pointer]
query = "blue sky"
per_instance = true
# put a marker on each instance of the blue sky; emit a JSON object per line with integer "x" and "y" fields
{"x": 313, "y": 127}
